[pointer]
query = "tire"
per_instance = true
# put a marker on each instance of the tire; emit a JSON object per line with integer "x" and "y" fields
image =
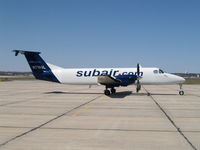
{"x": 107, "y": 92}
{"x": 181, "y": 92}
{"x": 113, "y": 91}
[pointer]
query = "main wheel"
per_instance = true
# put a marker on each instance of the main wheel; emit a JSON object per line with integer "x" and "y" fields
{"x": 107, "y": 92}
{"x": 181, "y": 92}
{"x": 113, "y": 91}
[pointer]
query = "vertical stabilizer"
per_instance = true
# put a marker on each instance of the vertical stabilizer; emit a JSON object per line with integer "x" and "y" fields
{"x": 38, "y": 66}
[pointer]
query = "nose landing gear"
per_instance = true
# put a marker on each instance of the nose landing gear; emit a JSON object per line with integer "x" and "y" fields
{"x": 181, "y": 92}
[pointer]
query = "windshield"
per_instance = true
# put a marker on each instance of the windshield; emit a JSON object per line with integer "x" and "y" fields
{"x": 158, "y": 71}
{"x": 161, "y": 71}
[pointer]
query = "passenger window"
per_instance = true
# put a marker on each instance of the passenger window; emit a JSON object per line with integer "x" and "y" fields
{"x": 155, "y": 71}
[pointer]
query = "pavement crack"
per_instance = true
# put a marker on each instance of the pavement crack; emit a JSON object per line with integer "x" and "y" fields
{"x": 55, "y": 118}
{"x": 172, "y": 122}
{"x": 90, "y": 129}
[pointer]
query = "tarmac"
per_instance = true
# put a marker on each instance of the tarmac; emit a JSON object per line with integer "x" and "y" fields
{"x": 38, "y": 115}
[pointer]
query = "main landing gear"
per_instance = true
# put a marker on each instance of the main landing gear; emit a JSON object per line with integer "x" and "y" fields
{"x": 181, "y": 92}
{"x": 108, "y": 92}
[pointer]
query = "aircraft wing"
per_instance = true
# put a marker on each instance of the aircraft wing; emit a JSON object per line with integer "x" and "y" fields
{"x": 107, "y": 80}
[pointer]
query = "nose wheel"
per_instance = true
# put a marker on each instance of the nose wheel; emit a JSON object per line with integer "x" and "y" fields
{"x": 181, "y": 92}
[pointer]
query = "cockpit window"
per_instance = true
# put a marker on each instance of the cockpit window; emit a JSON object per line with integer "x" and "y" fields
{"x": 155, "y": 71}
{"x": 158, "y": 71}
{"x": 161, "y": 71}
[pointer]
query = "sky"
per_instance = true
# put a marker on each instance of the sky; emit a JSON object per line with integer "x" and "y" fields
{"x": 102, "y": 33}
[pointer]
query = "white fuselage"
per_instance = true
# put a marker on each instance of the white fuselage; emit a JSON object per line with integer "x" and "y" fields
{"x": 88, "y": 76}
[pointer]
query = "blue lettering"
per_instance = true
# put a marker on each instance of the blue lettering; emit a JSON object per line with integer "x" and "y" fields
{"x": 79, "y": 73}
{"x": 87, "y": 73}
{"x": 140, "y": 74}
{"x": 130, "y": 73}
{"x": 114, "y": 73}
{"x": 124, "y": 73}
{"x": 111, "y": 72}
{"x": 96, "y": 73}
{"x": 104, "y": 73}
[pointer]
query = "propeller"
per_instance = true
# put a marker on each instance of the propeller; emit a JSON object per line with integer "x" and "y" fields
{"x": 138, "y": 85}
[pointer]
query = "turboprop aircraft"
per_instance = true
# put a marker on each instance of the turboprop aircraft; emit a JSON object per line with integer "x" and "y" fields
{"x": 109, "y": 77}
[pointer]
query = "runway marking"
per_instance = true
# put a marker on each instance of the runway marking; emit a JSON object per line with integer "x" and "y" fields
{"x": 172, "y": 122}
{"x": 40, "y": 126}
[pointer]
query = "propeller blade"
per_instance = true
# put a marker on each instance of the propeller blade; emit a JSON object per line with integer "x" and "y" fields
{"x": 138, "y": 85}
{"x": 138, "y": 69}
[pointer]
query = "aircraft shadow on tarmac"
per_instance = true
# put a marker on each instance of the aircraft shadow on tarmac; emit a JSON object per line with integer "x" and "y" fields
{"x": 60, "y": 92}
{"x": 116, "y": 95}
{"x": 120, "y": 94}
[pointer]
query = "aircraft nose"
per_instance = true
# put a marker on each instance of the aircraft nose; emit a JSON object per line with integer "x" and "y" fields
{"x": 180, "y": 79}
{"x": 176, "y": 79}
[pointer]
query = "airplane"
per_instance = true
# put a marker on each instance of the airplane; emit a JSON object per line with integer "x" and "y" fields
{"x": 108, "y": 77}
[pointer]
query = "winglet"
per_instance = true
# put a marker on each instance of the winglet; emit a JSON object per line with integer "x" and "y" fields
{"x": 23, "y": 52}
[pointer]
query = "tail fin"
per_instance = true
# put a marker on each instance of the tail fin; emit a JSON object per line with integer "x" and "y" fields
{"x": 38, "y": 66}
